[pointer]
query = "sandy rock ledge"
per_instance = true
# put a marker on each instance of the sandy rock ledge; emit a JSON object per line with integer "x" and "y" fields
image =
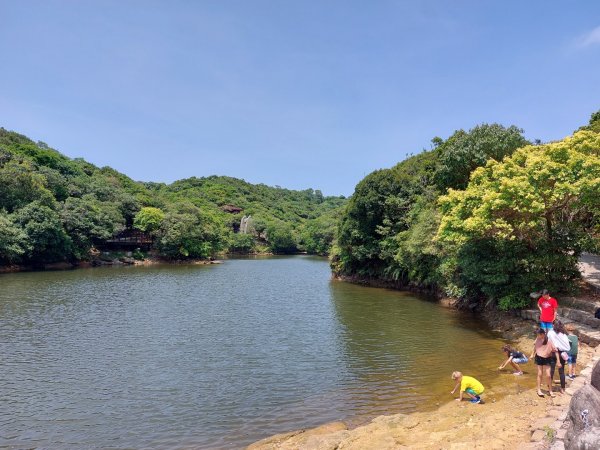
{"x": 517, "y": 421}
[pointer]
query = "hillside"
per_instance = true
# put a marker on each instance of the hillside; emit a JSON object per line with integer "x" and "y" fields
{"x": 484, "y": 215}
{"x": 54, "y": 208}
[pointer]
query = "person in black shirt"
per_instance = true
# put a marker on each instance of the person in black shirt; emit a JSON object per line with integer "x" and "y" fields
{"x": 514, "y": 358}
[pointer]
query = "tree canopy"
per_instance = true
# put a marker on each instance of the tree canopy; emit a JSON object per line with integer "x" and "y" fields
{"x": 483, "y": 215}
{"x": 53, "y": 208}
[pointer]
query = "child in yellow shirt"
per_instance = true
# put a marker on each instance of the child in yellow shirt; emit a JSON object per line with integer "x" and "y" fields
{"x": 468, "y": 385}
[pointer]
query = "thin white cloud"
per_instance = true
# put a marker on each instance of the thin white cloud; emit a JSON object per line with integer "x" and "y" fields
{"x": 589, "y": 39}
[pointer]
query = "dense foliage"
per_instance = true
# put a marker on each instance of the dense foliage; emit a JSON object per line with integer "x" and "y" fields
{"x": 483, "y": 215}
{"x": 53, "y": 208}
{"x": 523, "y": 222}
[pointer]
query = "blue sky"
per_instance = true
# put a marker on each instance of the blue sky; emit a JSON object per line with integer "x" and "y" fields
{"x": 292, "y": 93}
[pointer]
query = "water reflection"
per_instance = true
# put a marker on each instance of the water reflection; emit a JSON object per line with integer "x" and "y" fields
{"x": 215, "y": 356}
{"x": 400, "y": 350}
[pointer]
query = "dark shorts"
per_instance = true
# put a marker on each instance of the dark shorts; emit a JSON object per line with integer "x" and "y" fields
{"x": 572, "y": 359}
{"x": 539, "y": 361}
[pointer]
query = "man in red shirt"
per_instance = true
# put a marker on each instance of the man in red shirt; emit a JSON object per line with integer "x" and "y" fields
{"x": 547, "y": 306}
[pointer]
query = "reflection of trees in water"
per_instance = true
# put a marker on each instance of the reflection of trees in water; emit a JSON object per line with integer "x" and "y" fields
{"x": 392, "y": 337}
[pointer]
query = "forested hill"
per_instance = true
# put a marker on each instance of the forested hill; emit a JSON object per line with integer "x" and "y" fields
{"x": 484, "y": 215}
{"x": 54, "y": 208}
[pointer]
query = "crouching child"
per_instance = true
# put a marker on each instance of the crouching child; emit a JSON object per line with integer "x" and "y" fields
{"x": 468, "y": 386}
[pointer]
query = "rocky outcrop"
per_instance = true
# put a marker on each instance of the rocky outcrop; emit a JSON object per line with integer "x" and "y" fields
{"x": 595, "y": 378}
{"x": 584, "y": 418}
{"x": 580, "y": 429}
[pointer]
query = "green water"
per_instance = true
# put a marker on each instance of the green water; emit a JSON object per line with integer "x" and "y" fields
{"x": 220, "y": 356}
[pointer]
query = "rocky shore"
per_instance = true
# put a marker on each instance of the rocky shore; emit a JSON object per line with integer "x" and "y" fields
{"x": 514, "y": 417}
{"x": 105, "y": 261}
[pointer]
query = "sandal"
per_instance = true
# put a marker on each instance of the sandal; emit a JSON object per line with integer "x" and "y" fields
{"x": 552, "y": 394}
{"x": 540, "y": 394}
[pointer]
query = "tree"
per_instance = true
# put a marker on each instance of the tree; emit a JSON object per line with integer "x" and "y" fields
{"x": 280, "y": 238}
{"x": 417, "y": 258}
{"x": 377, "y": 211}
{"x": 21, "y": 185}
{"x": 192, "y": 234}
{"x": 594, "y": 123}
{"x": 46, "y": 238}
{"x": 464, "y": 151}
{"x": 13, "y": 240}
{"x": 149, "y": 219}
{"x": 522, "y": 223}
{"x": 241, "y": 243}
{"x": 87, "y": 219}
{"x": 317, "y": 235}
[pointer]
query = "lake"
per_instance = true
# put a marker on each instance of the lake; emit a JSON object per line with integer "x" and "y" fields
{"x": 190, "y": 356}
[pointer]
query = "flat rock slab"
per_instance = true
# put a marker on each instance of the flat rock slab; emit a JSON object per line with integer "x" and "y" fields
{"x": 538, "y": 436}
{"x": 589, "y": 265}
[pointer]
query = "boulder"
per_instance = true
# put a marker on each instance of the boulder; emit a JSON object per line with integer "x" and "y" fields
{"x": 326, "y": 436}
{"x": 584, "y": 415}
{"x": 586, "y": 440}
{"x": 595, "y": 379}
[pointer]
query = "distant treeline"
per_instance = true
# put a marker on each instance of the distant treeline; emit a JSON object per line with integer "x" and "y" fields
{"x": 53, "y": 208}
{"x": 484, "y": 215}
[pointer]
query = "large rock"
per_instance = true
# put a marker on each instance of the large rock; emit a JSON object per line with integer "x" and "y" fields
{"x": 596, "y": 376}
{"x": 326, "y": 436}
{"x": 584, "y": 415}
{"x": 581, "y": 317}
{"x": 586, "y": 440}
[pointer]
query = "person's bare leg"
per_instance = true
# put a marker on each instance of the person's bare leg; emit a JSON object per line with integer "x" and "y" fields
{"x": 539, "y": 380}
{"x": 561, "y": 374}
{"x": 549, "y": 379}
{"x": 516, "y": 366}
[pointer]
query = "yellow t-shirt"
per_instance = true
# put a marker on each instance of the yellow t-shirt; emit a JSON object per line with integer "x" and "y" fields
{"x": 470, "y": 382}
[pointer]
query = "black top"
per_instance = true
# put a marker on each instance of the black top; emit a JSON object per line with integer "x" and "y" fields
{"x": 516, "y": 355}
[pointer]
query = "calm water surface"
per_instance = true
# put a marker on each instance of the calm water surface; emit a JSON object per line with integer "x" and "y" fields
{"x": 218, "y": 356}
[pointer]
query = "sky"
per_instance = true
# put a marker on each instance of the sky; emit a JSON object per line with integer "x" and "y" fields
{"x": 299, "y": 94}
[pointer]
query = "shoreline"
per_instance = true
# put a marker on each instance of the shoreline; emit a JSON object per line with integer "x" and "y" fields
{"x": 129, "y": 261}
{"x": 101, "y": 263}
{"x": 517, "y": 419}
{"x": 505, "y": 421}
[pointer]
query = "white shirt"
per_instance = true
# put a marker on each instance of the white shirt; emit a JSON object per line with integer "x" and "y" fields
{"x": 560, "y": 340}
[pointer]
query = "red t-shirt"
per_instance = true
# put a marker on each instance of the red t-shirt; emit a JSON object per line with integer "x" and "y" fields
{"x": 548, "y": 307}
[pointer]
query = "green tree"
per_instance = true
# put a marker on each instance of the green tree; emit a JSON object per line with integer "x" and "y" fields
{"x": 317, "y": 235}
{"x": 20, "y": 185}
{"x": 46, "y": 238}
{"x": 378, "y": 210}
{"x": 594, "y": 123}
{"x": 464, "y": 151}
{"x": 242, "y": 243}
{"x": 522, "y": 223}
{"x": 280, "y": 238}
{"x": 13, "y": 240}
{"x": 192, "y": 234}
{"x": 418, "y": 256}
{"x": 149, "y": 219}
{"x": 87, "y": 220}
